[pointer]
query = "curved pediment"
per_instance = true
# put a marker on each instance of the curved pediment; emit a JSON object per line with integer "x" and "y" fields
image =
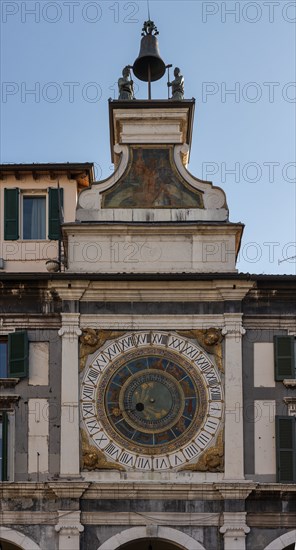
{"x": 151, "y": 183}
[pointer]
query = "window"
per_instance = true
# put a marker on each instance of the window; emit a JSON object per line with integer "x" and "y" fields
{"x": 284, "y": 357}
{"x": 3, "y": 445}
{"x": 35, "y": 214}
{"x": 286, "y": 448}
{"x": 34, "y": 217}
{"x": 14, "y": 355}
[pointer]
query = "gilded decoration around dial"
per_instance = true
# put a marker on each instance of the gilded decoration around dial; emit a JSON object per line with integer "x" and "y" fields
{"x": 94, "y": 459}
{"x": 210, "y": 339}
{"x": 91, "y": 340}
{"x": 153, "y": 400}
{"x": 211, "y": 460}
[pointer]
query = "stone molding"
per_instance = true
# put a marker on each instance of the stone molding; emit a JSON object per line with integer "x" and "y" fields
{"x": 269, "y": 322}
{"x": 268, "y": 520}
{"x": 152, "y": 291}
{"x": 141, "y": 490}
{"x": 150, "y": 518}
{"x": 11, "y": 517}
{"x": 153, "y": 322}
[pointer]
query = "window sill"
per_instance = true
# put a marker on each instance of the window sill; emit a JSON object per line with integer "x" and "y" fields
{"x": 290, "y": 382}
{"x": 9, "y": 382}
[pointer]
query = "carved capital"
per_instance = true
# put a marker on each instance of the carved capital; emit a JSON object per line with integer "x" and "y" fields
{"x": 235, "y": 521}
{"x": 70, "y": 326}
{"x": 69, "y": 523}
{"x": 233, "y": 327}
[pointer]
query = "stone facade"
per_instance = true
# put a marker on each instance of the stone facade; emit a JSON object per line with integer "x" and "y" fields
{"x": 137, "y": 277}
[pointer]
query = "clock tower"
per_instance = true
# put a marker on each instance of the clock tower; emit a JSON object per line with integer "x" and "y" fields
{"x": 151, "y": 306}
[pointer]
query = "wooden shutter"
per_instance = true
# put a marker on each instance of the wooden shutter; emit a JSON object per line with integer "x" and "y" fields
{"x": 11, "y": 214}
{"x": 55, "y": 205}
{"x": 284, "y": 357}
{"x": 18, "y": 355}
{"x": 4, "y": 422}
{"x": 286, "y": 449}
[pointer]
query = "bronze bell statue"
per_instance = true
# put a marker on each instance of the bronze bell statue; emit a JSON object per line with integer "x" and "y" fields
{"x": 149, "y": 66}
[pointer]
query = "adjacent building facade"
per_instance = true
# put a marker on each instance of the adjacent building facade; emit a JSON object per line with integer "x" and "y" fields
{"x": 147, "y": 388}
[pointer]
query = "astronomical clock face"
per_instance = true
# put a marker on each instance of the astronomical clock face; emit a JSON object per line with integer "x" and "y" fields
{"x": 151, "y": 401}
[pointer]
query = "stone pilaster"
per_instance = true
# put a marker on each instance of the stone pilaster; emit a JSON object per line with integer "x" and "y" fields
{"x": 234, "y": 530}
{"x": 69, "y": 529}
{"x": 69, "y": 457}
{"x": 234, "y": 440}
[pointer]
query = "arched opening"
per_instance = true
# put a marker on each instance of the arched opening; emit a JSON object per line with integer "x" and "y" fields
{"x": 14, "y": 540}
{"x": 284, "y": 542}
{"x": 151, "y": 538}
{"x": 5, "y": 545}
{"x": 148, "y": 544}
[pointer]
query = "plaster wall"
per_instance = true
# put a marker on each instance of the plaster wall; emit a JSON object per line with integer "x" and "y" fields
{"x": 39, "y": 363}
{"x": 263, "y": 365}
{"x": 38, "y": 431}
{"x": 264, "y": 437}
{"x": 29, "y": 255}
{"x": 261, "y": 402}
{"x": 26, "y": 418}
{"x": 144, "y": 250}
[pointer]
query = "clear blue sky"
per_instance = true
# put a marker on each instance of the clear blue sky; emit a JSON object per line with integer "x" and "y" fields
{"x": 72, "y": 54}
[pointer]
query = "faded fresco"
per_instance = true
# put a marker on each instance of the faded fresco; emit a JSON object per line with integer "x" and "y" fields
{"x": 152, "y": 181}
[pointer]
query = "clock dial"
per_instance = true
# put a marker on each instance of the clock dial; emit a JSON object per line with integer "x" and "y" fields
{"x": 150, "y": 406}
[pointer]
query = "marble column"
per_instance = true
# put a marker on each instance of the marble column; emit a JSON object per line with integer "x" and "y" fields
{"x": 234, "y": 437}
{"x": 69, "y": 452}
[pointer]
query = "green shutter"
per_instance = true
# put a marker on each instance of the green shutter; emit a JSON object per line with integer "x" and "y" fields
{"x": 286, "y": 449}
{"x": 4, "y": 445}
{"x": 11, "y": 214}
{"x": 54, "y": 212}
{"x": 18, "y": 355}
{"x": 284, "y": 357}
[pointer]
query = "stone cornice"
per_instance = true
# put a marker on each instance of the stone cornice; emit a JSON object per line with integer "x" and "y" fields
{"x": 151, "y": 291}
{"x": 166, "y": 490}
{"x": 158, "y": 518}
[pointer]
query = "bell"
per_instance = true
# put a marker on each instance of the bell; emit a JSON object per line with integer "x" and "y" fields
{"x": 149, "y": 66}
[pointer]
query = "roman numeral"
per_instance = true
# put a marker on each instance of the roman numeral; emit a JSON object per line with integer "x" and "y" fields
{"x": 88, "y": 392}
